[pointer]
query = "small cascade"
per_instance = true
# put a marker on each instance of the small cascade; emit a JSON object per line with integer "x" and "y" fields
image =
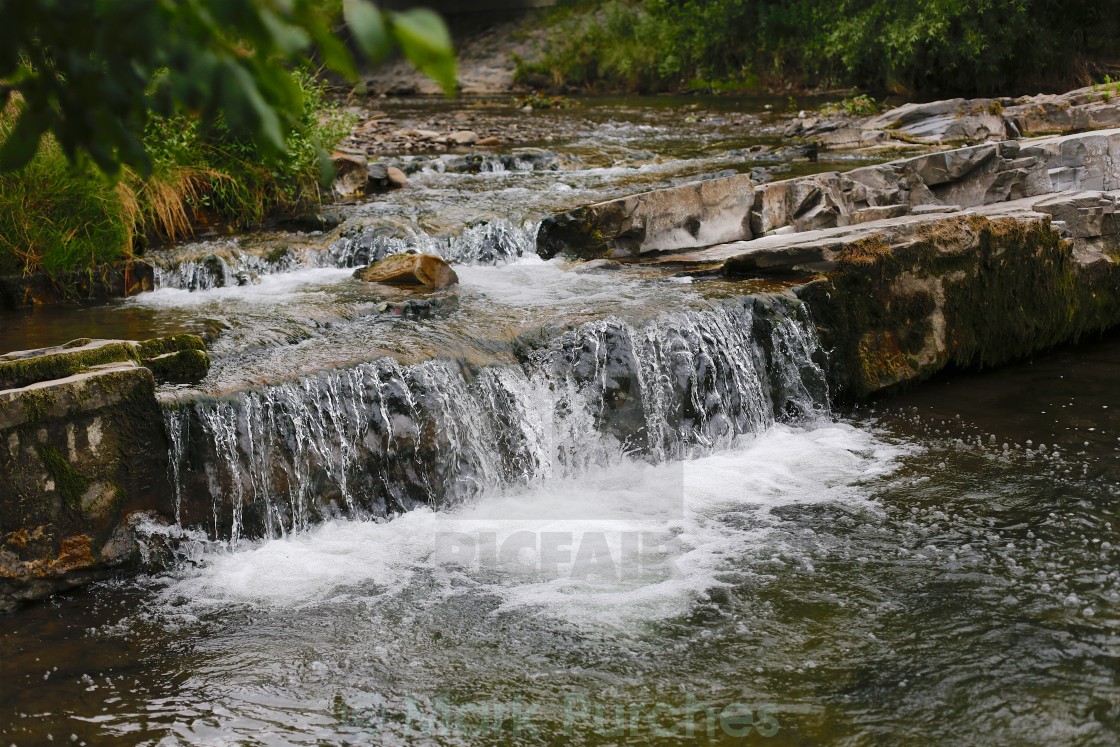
{"x": 212, "y": 271}
{"x": 491, "y": 243}
{"x": 383, "y": 437}
{"x": 522, "y": 160}
{"x": 231, "y": 267}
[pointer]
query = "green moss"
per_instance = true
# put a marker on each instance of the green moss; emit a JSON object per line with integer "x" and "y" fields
{"x": 1021, "y": 297}
{"x": 912, "y": 312}
{"x": 172, "y": 344}
{"x": 37, "y": 405}
{"x": 1006, "y": 288}
{"x": 182, "y": 367}
{"x": 22, "y": 372}
{"x": 69, "y": 483}
{"x": 278, "y": 255}
{"x": 881, "y": 360}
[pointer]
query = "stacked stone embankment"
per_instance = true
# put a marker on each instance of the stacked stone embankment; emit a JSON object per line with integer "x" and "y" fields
{"x": 83, "y": 457}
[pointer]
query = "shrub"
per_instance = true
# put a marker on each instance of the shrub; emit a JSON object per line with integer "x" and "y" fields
{"x": 56, "y": 217}
{"x": 925, "y": 47}
{"x": 215, "y": 175}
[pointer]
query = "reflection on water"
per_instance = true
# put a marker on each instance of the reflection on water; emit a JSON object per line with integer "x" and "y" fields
{"x": 44, "y": 326}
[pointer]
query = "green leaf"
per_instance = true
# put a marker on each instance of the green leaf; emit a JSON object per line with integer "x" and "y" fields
{"x": 326, "y": 169}
{"x": 426, "y": 43}
{"x": 268, "y": 132}
{"x": 337, "y": 57}
{"x": 290, "y": 39}
{"x": 368, "y": 26}
{"x": 22, "y": 142}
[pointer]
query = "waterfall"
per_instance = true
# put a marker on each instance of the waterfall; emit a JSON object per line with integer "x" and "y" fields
{"x": 383, "y": 437}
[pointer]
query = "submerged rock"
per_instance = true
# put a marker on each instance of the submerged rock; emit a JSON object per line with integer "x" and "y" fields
{"x": 410, "y": 269}
{"x": 413, "y": 307}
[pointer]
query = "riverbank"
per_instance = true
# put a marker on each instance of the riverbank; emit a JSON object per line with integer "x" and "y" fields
{"x": 898, "y": 47}
{"x": 69, "y": 232}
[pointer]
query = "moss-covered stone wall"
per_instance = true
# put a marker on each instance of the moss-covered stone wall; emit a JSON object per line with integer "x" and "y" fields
{"x": 962, "y": 291}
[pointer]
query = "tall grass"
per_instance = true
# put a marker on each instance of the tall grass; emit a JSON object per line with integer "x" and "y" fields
{"x": 57, "y": 218}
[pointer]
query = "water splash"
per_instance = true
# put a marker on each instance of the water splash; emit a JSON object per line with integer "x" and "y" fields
{"x": 229, "y": 264}
{"x": 382, "y": 437}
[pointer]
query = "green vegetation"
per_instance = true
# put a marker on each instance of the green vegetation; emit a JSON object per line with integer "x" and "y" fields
{"x": 1107, "y": 89}
{"x": 925, "y": 47}
{"x": 69, "y": 482}
{"x": 856, "y": 106}
{"x": 56, "y": 217}
{"x": 94, "y": 73}
{"x": 214, "y": 175}
{"x": 123, "y": 122}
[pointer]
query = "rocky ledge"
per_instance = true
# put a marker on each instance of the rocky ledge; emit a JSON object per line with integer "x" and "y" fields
{"x": 957, "y": 121}
{"x": 970, "y": 257}
{"x": 83, "y": 457}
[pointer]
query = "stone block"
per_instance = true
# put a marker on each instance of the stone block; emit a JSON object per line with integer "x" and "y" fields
{"x": 698, "y": 214}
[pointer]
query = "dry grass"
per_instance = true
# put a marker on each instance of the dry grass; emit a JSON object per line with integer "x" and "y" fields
{"x": 56, "y": 218}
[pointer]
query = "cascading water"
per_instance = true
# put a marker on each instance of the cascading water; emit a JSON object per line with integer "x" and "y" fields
{"x": 382, "y": 437}
{"x": 230, "y": 264}
{"x": 934, "y": 568}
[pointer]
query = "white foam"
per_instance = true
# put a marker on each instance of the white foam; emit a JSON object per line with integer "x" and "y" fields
{"x": 532, "y": 282}
{"x": 533, "y": 549}
{"x": 278, "y": 288}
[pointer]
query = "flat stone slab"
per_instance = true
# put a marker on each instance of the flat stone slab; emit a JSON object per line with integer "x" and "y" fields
{"x": 100, "y": 387}
{"x": 788, "y": 213}
{"x": 691, "y": 215}
{"x": 1083, "y": 215}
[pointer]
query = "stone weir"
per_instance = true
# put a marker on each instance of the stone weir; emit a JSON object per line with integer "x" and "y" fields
{"x": 975, "y": 256}
{"x": 969, "y": 257}
{"x": 83, "y": 457}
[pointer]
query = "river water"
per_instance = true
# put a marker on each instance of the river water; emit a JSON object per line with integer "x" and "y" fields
{"x": 610, "y": 507}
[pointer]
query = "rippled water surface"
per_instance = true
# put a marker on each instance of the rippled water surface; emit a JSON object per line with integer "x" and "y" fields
{"x": 936, "y": 568}
{"x": 897, "y": 575}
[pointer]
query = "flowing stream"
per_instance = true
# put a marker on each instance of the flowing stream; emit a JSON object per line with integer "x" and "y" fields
{"x": 592, "y": 507}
